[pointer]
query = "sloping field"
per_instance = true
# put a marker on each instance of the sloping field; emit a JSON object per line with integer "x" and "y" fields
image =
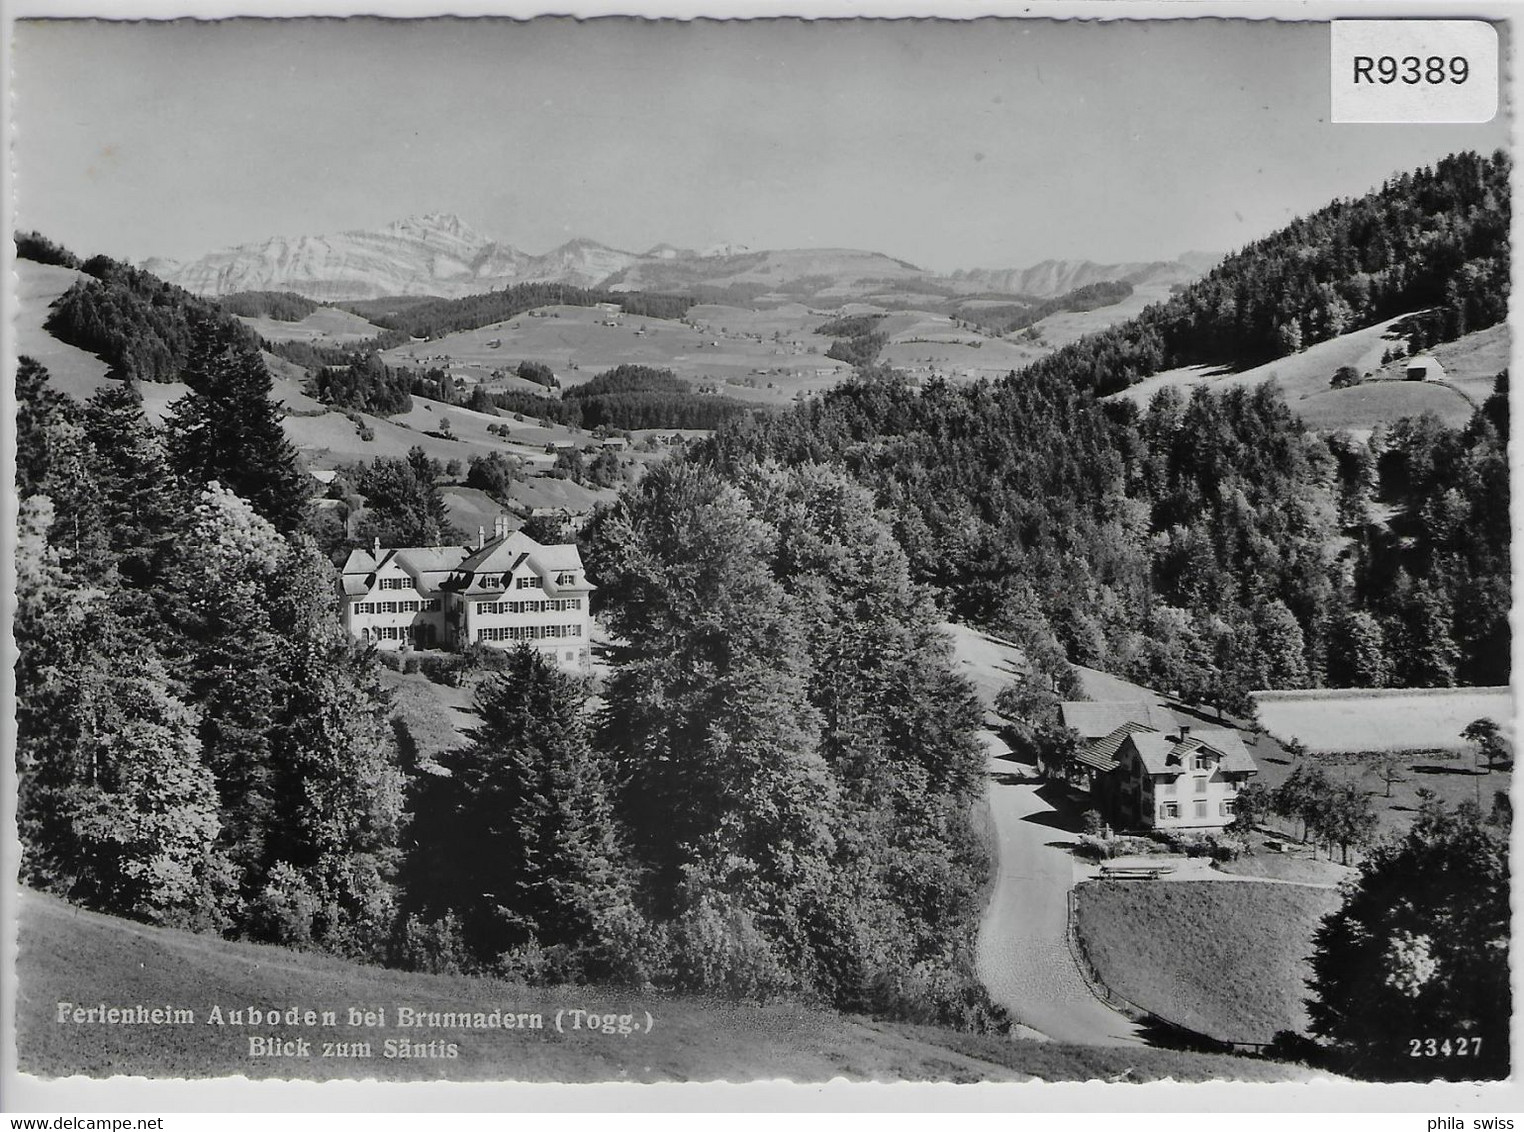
{"x": 1473, "y": 361}
{"x": 1070, "y": 326}
{"x": 580, "y": 342}
{"x": 1304, "y": 379}
{"x": 1223, "y": 958}
{"x": 1364, "y": 406}
{"x": 72, "y": 370}
{"x": 990, "y": 665}
{"x": 324, "y": 436}
{"x": 76, "y": 957}
{"x": 435, "y": 718}
{"x": 333, "y": 439}
{"x": 959, "y": 353}
{"x": 1388, "y": 719}
{"x": 326, "y": 326}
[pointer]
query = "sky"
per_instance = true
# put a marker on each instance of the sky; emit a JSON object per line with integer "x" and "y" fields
{"x": 948, "y": 144}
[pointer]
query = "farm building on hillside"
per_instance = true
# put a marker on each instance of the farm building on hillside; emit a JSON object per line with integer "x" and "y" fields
{"x": 500, "y": 593}
{"x": 1425, "y": 368}
{"x": 1149, "y": 771}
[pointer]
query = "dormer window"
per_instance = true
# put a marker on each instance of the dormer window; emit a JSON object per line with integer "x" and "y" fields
{"x": 566, "y": 579}
{"x": 1202, "y": 761}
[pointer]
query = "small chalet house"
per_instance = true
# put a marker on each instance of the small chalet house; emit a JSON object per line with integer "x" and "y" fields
{"x": 1425, "y": 368}
{"x": 1186, "y": 781}
{"x": 1152, "y": 772}
{"x": 500, "y": 593}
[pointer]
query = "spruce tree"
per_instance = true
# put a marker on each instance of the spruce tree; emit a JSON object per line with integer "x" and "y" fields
{"x": 517, "y": 839}
{"x": 335, "y": 779}
{"x": 228, "y": 429}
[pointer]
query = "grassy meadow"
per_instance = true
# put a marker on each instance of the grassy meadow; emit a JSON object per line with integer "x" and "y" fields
{"x": 1223, "y": 958}
{"x": 326, "y": 326}
{"x": 1471, "y": 362}
{"x": 69, "y": 955}
{"x": 727, "y": 347}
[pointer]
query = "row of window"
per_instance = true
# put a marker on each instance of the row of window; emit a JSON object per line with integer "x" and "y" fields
{"x": 1172, "y": 809}
{"x": 498, "y": 581}
{"x": 556, "y": 605}
{"x": 528, "y": 632}
{"x": 1169, "y": 787}
{"x": 416, "y": 634}
{"x": 429, "y": 606}
{"x": 488, "y": 581}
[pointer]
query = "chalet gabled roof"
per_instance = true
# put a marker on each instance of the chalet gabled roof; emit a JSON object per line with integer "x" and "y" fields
{"x": 507, "y": 554}
{"x": 1102, "y": 753}
{"x": 1167, "y": 754}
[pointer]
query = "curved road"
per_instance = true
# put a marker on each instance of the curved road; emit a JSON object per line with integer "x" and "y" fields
{"x": 1023, "y": 957}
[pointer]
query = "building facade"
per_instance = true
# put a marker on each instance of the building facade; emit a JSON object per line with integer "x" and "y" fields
{"x": 501, "y": 593}
{"x": 1183, "y": 781}
{"x": 1145, "y": 769}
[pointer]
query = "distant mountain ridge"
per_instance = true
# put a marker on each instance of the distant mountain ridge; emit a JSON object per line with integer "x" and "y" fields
{"x": 440, "y": 254}
{"x": 1054, "y": 277}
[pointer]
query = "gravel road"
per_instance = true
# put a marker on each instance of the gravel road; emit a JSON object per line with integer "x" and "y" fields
{"x": 1023, "y": 957}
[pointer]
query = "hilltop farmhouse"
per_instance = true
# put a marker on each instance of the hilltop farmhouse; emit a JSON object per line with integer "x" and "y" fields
{"x": 500, "y": 593}
{"x": 1151, "y": 772}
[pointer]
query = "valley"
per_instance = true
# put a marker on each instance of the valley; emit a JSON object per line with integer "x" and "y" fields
{"x": 880, "y": 716}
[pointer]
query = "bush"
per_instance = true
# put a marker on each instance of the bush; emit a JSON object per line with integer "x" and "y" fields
{"x": 1288, "y": 1045}
{"x": 436, "y": 947}
{"x": 441, "y": 669}
{"x": 286, "y": 909}
{"x": 1093, "y": 848}
{"x": 1224, "y": 848}
{"x": 717, "y": 949}
{"x": 1344, "y": 377}
{"x": 388, "y": 659}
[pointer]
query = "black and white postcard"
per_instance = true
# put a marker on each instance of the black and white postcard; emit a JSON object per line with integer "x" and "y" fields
{"x": 654, "y": 550}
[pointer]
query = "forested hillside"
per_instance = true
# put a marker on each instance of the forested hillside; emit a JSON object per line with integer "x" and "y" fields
{"x": 1435, "y": 240}
{"x": 1007, "y": 318}
{"x": 140, "y": 325}
{"x": 283, "y": 306}
{"x": 1211, "y": 545}
{"x": 434, "y": 318}
{"x": 627, "y": 397}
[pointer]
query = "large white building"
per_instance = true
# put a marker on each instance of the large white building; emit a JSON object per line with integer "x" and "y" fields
{"x": 500, "y": 593}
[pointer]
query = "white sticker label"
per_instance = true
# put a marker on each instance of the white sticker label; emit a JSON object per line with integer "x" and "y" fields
{"x": 1414, "y": 71}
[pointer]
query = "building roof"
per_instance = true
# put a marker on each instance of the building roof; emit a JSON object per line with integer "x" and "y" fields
{"x": 428, "y": 566}
{"x": 505, "y": 555}
{"x": 1166, "y": 754}
{"x": 1095, "y": 720}
{"x": 459, "y": 567}
{"x": 1102, "y": 753}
